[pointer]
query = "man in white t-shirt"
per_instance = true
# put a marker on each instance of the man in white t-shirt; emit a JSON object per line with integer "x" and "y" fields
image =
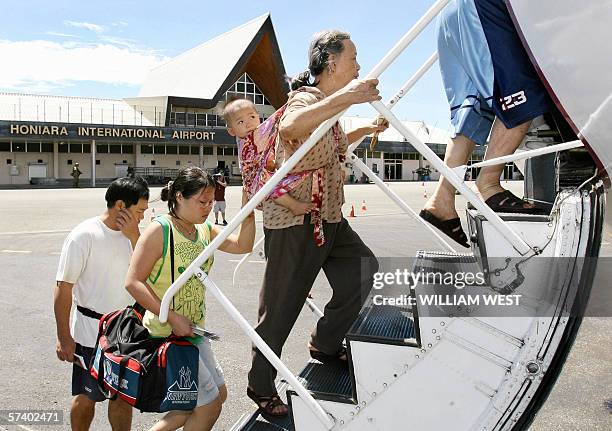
{"x": 93, "y": 264}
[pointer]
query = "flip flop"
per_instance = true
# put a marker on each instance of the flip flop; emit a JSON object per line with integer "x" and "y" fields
{"x": 507, "y": 202}
{"x": 452, "y": 228}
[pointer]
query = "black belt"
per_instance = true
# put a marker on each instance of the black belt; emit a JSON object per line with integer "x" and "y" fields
{"x": 89, "y": 313}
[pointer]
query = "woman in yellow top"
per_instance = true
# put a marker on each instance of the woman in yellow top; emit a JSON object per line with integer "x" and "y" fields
{"x": 190, "y": 198}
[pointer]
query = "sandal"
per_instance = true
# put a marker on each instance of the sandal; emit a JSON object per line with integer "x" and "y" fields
{"x": 452, "y": 228}
{"x": 339, "y": 358}
{"x": 507, "y": 202}
{"x": 268, "y": 405}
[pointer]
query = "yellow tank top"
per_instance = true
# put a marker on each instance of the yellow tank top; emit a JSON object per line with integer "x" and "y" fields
{"x": 189, "y": 301}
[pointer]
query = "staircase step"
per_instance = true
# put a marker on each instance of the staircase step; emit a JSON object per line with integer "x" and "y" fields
{"x": 384, "y": 324}
{"x": 256, "y": 422}
{"x": 327, "y": 382}
{"x": 431, "y": 262}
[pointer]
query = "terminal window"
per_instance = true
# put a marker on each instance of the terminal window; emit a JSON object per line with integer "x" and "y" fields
{"x": 246, "y": 88}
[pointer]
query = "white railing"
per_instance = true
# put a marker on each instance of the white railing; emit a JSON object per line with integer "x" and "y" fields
{"x": 194, "y": 269}
{"x": 259, "y": 197}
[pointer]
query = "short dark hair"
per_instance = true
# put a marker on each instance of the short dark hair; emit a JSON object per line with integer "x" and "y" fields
{"x": 233, "y": 105}
{"x": 128, "y": 190}
{"x": 188, "y": 181}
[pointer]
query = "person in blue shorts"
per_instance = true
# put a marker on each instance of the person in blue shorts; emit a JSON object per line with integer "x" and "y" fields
{"x": 493, "y": 92}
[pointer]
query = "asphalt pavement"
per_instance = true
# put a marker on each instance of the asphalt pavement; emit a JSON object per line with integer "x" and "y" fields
{"x": 34, "y": 223}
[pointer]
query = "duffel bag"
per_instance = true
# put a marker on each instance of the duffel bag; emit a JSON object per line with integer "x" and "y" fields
{"x": 151, "y": 374}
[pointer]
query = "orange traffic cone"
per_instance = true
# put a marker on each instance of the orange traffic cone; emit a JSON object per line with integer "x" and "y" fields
{"x": 152, "y": 214}
{"x": 352, "y": 214}
{"x": 425, "y": 193}
{"x": 363, "y": 206}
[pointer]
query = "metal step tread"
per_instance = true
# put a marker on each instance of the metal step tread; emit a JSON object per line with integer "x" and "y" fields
{"x": 327, "y": 382}
{"x": 542, "y": 218}
{"x": 257, "y": 422}
{"x": 385, "y": 324}
{"x": 446, "y": 256}
{"x": 440, "y": 262}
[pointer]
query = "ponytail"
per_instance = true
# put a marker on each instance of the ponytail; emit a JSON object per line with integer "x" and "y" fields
{"x": 302, "y": 80}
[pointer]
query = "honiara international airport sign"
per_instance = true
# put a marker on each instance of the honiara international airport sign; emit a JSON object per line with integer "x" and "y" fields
{"x": 68, "y": 131}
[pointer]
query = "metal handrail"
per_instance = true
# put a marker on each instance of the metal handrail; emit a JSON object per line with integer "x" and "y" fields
{"x": 290, "y": 163}
{"x": 309, "y": 302}
{"x": 366, "y": 170}
{"x": 325, "y": 418}
{"x": 194, "y": 267}
{"x": 528, "y": 154}
{"x": 403, "y": 91}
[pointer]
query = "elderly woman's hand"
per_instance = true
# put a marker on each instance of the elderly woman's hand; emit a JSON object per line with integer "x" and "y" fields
{"x": 377, "y": 126}
{"x": 362, "y": 91}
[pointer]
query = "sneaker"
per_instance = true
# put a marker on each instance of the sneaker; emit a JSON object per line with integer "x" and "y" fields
{"x": 224, "y": 223}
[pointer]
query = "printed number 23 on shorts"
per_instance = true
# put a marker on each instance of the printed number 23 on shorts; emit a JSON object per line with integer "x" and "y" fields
{"x": 513, "y": 100}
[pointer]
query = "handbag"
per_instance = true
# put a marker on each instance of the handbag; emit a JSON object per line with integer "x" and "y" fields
{"x": 151, "y": 374}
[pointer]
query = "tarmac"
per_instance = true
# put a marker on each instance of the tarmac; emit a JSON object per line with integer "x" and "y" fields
{"x": 34, "y": 223}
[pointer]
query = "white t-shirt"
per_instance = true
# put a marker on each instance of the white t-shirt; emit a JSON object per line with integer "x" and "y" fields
{"x": 95, "y": 259}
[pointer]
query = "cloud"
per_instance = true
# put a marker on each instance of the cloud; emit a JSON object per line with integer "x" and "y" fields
{"x": 42, "y": 66}
{"x": 54, "y": 33}
{"x": 122, "y": 42}
{"x": 119, "y": 24}
{"x": 86, "y": 25}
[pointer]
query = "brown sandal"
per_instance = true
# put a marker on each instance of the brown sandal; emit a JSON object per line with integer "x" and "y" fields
{"x": 268, "y": 404}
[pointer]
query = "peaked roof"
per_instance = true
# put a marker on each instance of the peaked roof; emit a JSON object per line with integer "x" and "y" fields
{"x": 200, "y": 76}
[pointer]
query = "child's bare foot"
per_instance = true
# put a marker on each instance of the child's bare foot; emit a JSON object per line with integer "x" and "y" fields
{"x": 301, "y": 208}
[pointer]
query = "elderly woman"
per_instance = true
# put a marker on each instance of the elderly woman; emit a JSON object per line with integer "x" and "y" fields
{"x": 299, "y": 246}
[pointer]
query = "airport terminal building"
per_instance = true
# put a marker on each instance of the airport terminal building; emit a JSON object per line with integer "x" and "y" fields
{"x": 174, "y": 122}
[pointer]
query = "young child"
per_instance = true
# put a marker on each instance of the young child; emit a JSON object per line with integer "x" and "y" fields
{"x": 242, "y": 118}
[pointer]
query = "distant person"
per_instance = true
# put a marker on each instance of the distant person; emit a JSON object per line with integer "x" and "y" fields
{"x": 75, "y": 174}
{"x": 242, "y": 118}
{"x": 220, "y": 205}
{"x": 491, "y": 87}
{"x": 190, "y": 198}
{"x": 92, "y": 269}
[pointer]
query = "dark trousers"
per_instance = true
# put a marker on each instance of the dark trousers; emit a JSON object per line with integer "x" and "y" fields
{"x": 294, "y": 260}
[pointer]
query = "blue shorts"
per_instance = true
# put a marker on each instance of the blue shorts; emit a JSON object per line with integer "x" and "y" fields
{"x": 466, "y": 69}
{"x": 82, "y": 381}
{"x": 518, "y": 93}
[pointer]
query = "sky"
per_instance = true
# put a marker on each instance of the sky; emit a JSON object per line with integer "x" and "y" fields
{"x": 105, "y": 48}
